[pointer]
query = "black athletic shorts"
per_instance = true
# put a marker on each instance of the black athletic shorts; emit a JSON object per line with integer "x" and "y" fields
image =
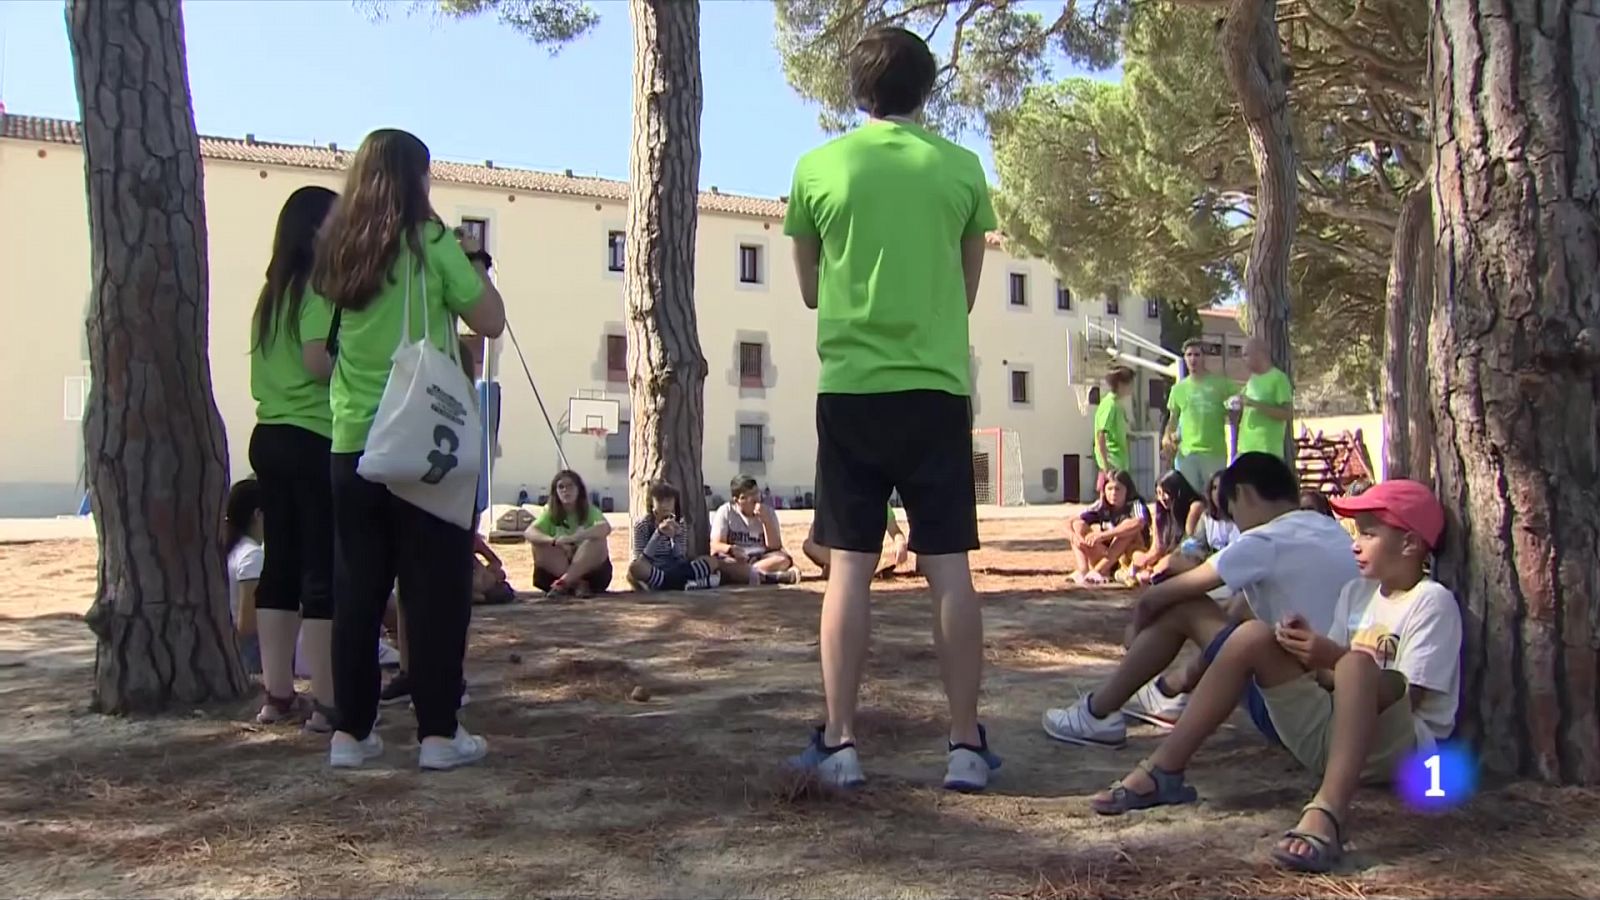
{"x": 916, "y": 442}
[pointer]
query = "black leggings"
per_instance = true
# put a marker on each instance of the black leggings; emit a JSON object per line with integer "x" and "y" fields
{"x": 380, "y": 538}
{"x": 291, "y": 465}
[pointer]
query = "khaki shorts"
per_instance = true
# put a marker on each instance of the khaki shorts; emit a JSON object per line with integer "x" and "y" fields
{"x": 1302, "y": 714}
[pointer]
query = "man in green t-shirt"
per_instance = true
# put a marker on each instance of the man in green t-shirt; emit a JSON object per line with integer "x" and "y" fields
{"x": 1198, "y": 424}
{"x": 890, "y": 225}
{"x": 1111, "y": 426}
{"x": 1266, "y": 404}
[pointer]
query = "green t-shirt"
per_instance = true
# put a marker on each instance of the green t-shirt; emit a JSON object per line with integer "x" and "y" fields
{"x": 368, "y": 337}
{"x": 1201, "y": 406}
{"x": 285, "y": 393}
{"x": 570, "y": 527}
{"x": 1111, "y": 418}
{"x": 1258, "y": 432}
{"x": 890, "y": 204}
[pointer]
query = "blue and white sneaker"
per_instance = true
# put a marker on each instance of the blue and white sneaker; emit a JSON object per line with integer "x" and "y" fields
{"x": 968, "y": 767}
{"x": 834, "y": 766}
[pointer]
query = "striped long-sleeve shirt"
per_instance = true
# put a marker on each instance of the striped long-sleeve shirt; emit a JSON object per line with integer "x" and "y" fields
{"x": 649, "y": 543}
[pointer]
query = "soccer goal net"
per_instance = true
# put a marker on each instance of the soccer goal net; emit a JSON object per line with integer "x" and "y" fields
{"x": 997, "y": 466}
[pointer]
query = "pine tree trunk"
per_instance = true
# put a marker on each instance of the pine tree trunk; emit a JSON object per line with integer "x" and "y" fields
{"x": 153, "y": 440}
{"x": 1516, "y": 124}
{"x": 666, "y": 370}
{"x": 1407, "y": 433}
{"x": 1253, "y": 60}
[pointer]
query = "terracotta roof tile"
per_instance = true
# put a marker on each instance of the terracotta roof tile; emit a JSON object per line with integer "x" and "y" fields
{"x": 305, "y": 156}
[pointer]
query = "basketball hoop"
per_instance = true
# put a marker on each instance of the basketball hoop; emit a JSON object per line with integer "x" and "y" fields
{"x": 1081, "y": 392}
{"x": 595, "y": 432}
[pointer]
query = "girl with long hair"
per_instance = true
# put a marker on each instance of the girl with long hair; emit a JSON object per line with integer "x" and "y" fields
{"x": 241, "y": 547}
{"x": 1178, "y": 510}
{"x": 570, "y": 555}
{"x": 385, "y": 259}
{"x": 289, "y": 370}
{"x": 1112, "y": 527}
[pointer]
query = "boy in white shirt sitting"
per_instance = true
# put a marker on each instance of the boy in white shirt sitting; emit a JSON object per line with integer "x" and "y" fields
{"x": 1351, "y": 704}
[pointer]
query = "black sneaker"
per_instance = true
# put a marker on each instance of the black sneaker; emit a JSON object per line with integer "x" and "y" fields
{"x": 397, "y": 691}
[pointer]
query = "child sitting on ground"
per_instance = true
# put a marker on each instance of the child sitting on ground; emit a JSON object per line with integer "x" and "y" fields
{"x": 490, "y": 586}
{"x": 1113, "y": 527}
{"x": 1350, "y": 705}
{"x": 242, "y": 523}
{"x": 892, "y": 559}
{"x": 1177, "y": 513}
{"x": 747, "y": 540}
{"x": 660, "y": 549}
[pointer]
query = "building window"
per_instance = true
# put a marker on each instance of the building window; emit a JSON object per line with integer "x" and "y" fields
{"x": 750, "y": 365}
{"x": 1158, "y": 393}
{"x": 749, "y": 264}
{"x": 616, "y": 250}
{"x": 1152, "y": 308}
{"x": 1019, "y": 289}
{"x": 477, "y": 228}
{"x": 617, "y": 443}
{"x": 616, "y": 357}
{"x": 752, "y": 443}
{"x": 1236, "y": 350}
{"x": 1211, "y": 348}
{"x": 1063, "y": 297}
{"x": 1019, "y": 386}
{"x": 1113, "y": 304}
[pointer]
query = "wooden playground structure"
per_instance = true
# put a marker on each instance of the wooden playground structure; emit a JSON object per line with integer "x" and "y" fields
{"x": 1331, "y": 464}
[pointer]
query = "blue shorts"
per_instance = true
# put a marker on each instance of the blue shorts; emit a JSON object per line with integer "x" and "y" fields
{"x": 1254, "y": 703}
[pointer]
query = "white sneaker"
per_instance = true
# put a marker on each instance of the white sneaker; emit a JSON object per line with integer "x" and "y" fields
{"x": 787, "y": 576}
{"x": 842, "y": 768}
{"x": 345, "y": 752}
{"x": 464, "y": 749}
{"x": 966, "y": 771}
{"x": 1150, "y": 705}
{"x": 1076, "y": 725}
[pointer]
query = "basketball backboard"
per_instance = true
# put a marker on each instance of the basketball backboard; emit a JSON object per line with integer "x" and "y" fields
{"x": 592, "y": 412}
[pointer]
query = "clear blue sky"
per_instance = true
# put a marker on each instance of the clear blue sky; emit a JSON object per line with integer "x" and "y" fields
{"x": 320, "y": 70}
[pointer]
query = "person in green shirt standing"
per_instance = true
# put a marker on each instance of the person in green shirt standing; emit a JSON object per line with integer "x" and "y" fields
{"x": 1198, "y": 426}
{"x": 1111, "y": 426}
{"x": 890, "y": 224}
{"x": 385, "y": 259}
{"x": 289, "y": 370}
{"x": 1265, "y": 405}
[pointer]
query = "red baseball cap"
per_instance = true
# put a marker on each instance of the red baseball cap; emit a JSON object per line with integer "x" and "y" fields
{"x": 1401, "y": 503}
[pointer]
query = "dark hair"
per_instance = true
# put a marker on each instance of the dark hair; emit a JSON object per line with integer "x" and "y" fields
{"x": 385, "y": 202}
{"x": 1316, "y": 501}
{"x": 294, "y": 251}
{"x": 1270, "y": 476}
{"x": 1172, "y": 524}
{"x": 1213, "y": 490}
{"x": 558, "y": 511}
{"x": 1119, "y": 376}
{"x": 1193, "y": 344}
{"x": 663, "y": 490}
{"x": 1124, "y": 478}
{"x": 244, "y": 501}
{"x": 891, "y": 72}
{"x": 742, "y": 484}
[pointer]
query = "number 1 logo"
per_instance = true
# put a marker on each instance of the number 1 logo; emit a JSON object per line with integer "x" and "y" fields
{"x": 1432, "y": 764}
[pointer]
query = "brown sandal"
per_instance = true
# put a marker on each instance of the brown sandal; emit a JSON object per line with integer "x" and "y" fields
{"x": 1325, "y": 854}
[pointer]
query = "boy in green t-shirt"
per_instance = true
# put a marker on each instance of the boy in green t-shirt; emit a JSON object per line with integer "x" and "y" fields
{"x": 1266, "y": 404}
{"x": 890, "y": 226}
{"x": 1111, "y": 426}
{"x": 1198, "y": 425}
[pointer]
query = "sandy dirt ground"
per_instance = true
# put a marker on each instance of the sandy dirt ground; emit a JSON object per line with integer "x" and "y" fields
{"x": 590, "y": 793}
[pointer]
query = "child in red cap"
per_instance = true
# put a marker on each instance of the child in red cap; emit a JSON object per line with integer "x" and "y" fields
{"x": 1350, "y": 705}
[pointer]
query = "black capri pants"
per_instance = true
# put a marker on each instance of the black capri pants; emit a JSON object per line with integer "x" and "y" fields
{"x": 291, "y": 465}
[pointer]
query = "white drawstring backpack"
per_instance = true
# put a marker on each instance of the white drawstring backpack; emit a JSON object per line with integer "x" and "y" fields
{"x": 426, "y": 442}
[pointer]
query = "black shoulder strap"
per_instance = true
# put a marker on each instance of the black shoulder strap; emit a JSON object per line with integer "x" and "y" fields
{"x": 333, "y": 332}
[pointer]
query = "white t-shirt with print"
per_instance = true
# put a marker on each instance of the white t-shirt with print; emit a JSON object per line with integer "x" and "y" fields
{"x": 1296, "y": 563}
{"x": 244, "y": 564}
{"x": 1416, "y": 633}
{"x": 731, "y": 526}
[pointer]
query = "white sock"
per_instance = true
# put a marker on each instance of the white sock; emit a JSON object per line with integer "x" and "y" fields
{"x": 316, "y": 637}
{"x": 278, "y": 629}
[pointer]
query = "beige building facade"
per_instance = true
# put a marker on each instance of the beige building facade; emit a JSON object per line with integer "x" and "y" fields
{"x": 556, "y": 240}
